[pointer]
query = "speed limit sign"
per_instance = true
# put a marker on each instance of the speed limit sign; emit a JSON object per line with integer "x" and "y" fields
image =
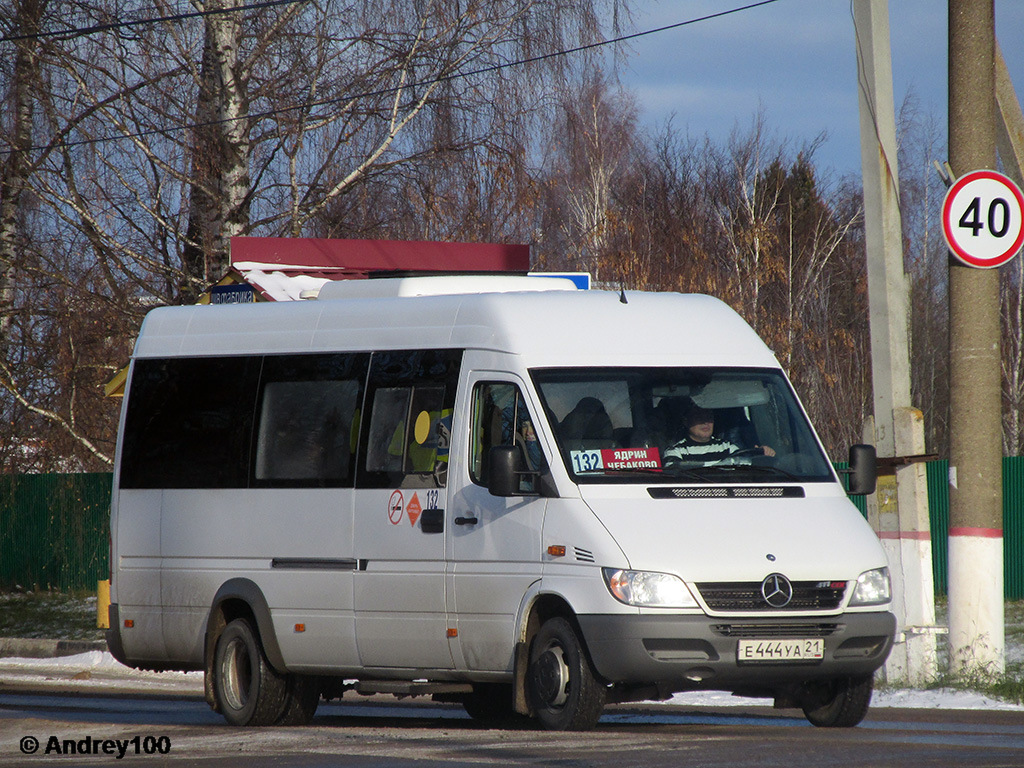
{"x": 983, "y": 219}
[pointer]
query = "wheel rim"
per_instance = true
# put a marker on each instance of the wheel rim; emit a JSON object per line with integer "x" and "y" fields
{"x": 552, "y": 677}
{"x": 237, "y": 674}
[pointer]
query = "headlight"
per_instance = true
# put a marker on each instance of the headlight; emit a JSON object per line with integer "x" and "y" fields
{"x": 647, "y": 589}
{"x": 872, "y": 588}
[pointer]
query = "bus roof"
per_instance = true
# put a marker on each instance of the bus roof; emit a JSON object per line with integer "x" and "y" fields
{"x": 546, "y": 327}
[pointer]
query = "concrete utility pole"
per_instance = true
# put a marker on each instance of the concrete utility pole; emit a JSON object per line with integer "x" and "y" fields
{"x": 1010, "y": 126}
{"x": 899, "y": 509}
{"x": 976, "y": 630}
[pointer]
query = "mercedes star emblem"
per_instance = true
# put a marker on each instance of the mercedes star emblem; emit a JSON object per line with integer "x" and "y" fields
{"x": 776, "y": 590}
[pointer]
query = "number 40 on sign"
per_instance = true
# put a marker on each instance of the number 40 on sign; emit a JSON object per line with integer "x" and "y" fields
{"x": 983, "y": 219}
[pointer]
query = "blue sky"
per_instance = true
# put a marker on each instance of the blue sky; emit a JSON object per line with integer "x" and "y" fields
{"x": 795, "y": 59}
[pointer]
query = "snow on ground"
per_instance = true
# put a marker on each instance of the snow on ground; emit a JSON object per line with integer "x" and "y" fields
{"x": 96, "y": 670}
{"x": 942, "y": 698}
{"x": 93, "y": 671}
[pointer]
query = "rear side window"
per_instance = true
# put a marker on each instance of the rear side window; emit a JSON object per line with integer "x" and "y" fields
{"x": 314, "y": 420}
{"x": 309, "y": 420}
{"x": 189, "y": 422}
{"x": 410, "y": 400}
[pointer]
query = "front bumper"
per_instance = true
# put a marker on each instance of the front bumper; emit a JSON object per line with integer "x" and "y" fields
{"x": 681, "y": 652}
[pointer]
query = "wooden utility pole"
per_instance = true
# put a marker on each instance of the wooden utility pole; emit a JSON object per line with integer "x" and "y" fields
{"x": 899, "y": 509}
{"x": 976, "y": 629}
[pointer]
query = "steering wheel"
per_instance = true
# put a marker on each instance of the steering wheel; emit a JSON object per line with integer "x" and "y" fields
{"x": 756, "y": 451}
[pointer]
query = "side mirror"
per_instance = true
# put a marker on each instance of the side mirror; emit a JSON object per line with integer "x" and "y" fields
{"x": 502, "y": 477}
{"x": 863, "y": 471}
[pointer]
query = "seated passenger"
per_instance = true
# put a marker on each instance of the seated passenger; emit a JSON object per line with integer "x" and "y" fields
{"x": 668, "y": 421}
{"x": 587, "y": 426}
{"x": 733, "y": 425}
{"x": 701, "y": 444}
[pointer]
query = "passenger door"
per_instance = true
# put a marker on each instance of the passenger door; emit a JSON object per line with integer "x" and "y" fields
{"x": 401, "y": 481}
{"x": 494, "y": 542}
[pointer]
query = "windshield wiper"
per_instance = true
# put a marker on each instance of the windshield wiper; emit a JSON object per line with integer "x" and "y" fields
{"x": 689, "y": 473}
{"x": 762, "y": 469}
{"x": 632, "y": 472}
{"x": 751, "y": 469}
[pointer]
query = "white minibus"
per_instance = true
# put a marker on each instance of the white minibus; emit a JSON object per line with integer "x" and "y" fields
{"x": 499, "y": 491}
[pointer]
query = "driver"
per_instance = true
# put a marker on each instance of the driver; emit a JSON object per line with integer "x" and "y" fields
{"x": 702, "y": 444}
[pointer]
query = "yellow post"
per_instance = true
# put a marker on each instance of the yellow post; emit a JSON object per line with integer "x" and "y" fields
{"x": 103, "y": 604}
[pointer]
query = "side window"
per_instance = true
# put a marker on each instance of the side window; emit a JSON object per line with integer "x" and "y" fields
{"x": 189, "y": 423}
{"x": 309, "y": 420}
{"x": 500, "y": 417}
{"x": 385, "y": 448}
{"x": 406, "y": 429}
{"x": 410, "y": 400}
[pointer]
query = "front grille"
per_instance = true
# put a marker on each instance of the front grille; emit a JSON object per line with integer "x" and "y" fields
{"x": 728, "y": 492}
{"x": 766, "y": 631}
{"x": 746, "y": 596}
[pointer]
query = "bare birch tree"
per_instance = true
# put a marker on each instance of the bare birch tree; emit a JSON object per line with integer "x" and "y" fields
{"x": 23, "y": 81}
{"x": 921, "y": 143}
{"x": 744, "y": 191}
{"x": 590, "y": 176}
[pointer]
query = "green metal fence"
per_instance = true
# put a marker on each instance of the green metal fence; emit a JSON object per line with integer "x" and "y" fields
{"x": 938, "y": 515}
{"x": 1013, "y": 524}
{"x": 54, "y": 530}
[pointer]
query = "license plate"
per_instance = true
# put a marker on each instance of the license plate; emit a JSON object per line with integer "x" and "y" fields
{"x": 781, "y": 650}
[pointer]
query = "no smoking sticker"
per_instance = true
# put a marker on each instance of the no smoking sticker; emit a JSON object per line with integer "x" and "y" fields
{"x": 396, "y": 506}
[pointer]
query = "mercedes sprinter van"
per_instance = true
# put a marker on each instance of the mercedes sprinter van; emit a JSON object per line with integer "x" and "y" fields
{"x": 500, "y": 491}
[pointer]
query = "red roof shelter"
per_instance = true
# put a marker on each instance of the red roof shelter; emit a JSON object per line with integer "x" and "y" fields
{"x": 281, "y": 268}
{"x": 290, "y": 268}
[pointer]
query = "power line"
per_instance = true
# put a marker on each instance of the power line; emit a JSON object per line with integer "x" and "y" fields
{"x": 68, "y": 34}
{"x": 408, "y": 85}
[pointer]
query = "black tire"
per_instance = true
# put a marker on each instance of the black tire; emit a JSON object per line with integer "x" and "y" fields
{"x": 248, "y": 690}
{"x": 839, "y": 703}
{"x": 301, "y": 698}
{"x": 563, "y": 691}
{"x": 490, "y": 704}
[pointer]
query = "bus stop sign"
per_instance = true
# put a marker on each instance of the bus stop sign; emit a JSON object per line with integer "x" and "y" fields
{"x": 983, "y": 219}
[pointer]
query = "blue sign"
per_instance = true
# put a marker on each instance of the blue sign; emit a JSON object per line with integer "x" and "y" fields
{"x": 581, "y": 279}
{"x": 232, "y": 294}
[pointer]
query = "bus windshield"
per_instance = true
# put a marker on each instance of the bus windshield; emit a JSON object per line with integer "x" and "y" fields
{"x": 699, "y": 425}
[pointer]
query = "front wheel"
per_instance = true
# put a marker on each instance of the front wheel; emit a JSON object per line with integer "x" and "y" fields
{"x": 490, "y": 704}
{"x": 563, "y": 690}
{"x": 841, "y": 703}
{"x": 248, "y": 690}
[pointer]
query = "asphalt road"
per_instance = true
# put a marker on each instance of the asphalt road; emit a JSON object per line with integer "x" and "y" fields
{"x": 181, "y": 730}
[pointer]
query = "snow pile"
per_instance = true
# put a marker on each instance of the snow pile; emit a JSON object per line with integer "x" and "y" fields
{"x": 94, "y": 670}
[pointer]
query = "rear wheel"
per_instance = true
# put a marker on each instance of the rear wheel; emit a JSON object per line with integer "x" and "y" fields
{"x": 841, "y": 703}
{"x": 302, "y": 697}
{"x": 563, "y": 690}
{"x": 248, "y": 690}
